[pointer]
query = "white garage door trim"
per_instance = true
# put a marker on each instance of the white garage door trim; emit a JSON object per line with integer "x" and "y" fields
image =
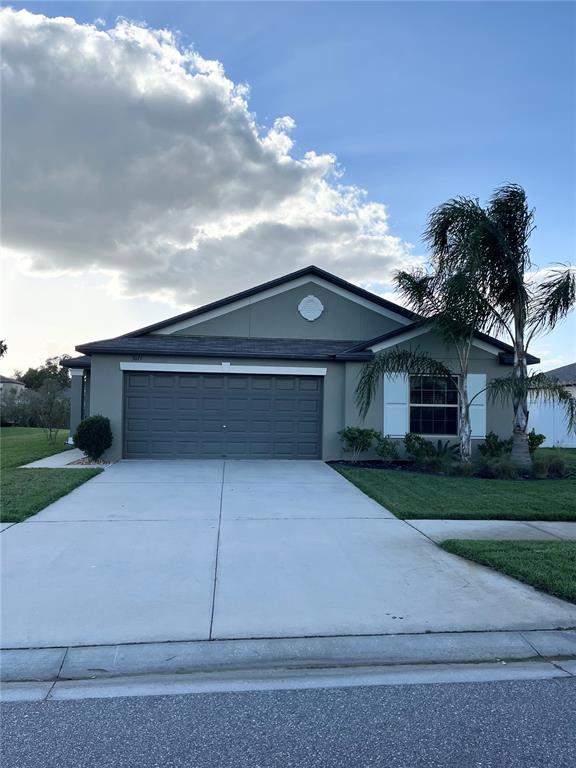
{"x": 223, "y": 368}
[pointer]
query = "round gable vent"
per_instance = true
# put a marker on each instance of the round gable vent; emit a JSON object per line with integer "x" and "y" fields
{"x": 311, "y": 308}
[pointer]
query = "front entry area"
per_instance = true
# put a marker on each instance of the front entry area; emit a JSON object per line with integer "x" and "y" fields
{"x": 213, "y": 416}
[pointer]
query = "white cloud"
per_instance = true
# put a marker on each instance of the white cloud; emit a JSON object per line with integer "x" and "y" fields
{"x": 126, "y": 154}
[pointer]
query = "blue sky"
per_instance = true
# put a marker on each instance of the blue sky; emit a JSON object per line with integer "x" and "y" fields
{"x": 419, "y": 101}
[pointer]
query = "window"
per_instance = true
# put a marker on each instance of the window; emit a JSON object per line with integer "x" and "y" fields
{"x": 433, "y": 405}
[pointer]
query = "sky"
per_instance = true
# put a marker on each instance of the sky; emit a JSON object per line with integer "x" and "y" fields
{"x": 160, "y": 155}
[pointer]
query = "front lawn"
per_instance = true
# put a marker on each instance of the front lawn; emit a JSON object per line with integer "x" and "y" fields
{"x": 547, "y": 565}
{"x": 412, "y": 496}
{"x": 24, "y": 492}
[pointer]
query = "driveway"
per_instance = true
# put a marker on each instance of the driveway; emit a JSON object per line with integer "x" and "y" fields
{"x": 185, "y": 550}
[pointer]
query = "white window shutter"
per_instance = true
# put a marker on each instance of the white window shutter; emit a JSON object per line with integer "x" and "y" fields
{"x": 476, "y": 383}
{"x": 395, "y": 404}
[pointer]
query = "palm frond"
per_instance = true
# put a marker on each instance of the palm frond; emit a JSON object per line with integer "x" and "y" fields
{"x": 417, "y": 288}
{"x": 553, "y": 299}
{"x": 539, "y": 388}
{"x": 395, "y": 361}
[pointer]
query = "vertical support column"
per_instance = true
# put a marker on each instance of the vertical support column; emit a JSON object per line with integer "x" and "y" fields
{"x": 86, "y": 402}
{"x": 76, "y": 392}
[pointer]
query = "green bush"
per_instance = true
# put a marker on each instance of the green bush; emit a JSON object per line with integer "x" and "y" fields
{"x": 496, "y": 469}
{"x": 446, "y": 449}
{"x": 535, "y": 440}
{"x": 557, "y": 467}
{"x": 386, "y": 448}
{"x": 357, "y": 440}
{"x": 540, "y": 469}
{"x": 494, "y": 447}
{"x": 93, "y": 436}
{"x": 417, "y": 447}
{"x": 462, "y": 469}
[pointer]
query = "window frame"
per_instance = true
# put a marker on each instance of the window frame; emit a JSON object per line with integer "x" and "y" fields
{"x": 455, "y": 406}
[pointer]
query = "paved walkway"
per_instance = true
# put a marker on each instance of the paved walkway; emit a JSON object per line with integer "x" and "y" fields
{"x": 440, "y": 530}
{"x": 193, "y": 550}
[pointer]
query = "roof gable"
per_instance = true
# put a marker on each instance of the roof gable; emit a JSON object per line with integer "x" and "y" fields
{"x": 266, "y": 290}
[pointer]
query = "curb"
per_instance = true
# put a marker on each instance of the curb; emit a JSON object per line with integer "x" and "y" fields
{"x": 33, "y": 665}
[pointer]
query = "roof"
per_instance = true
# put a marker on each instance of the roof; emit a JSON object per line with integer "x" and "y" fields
{"x": 311, "y": 271}
{"x": 228, "y": 346}
{"x": 506, "y": 355}
{"x": 76, "y": 362}
{"x": 566, "y": 374}
{"x": 8, "y": 380}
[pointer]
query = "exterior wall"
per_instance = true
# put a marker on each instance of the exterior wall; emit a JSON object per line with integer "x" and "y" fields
{"x": 498, "y": 416}
{"x": 339, "y": 407}
{"x": 106, "y": 393}
{"x": 278, "y": 317}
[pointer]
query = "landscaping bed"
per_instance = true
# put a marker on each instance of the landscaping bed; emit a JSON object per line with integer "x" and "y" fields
{"x": 419, "y": 495}
{"x": 546, "y": 565}
{"x": 25, "y": 492}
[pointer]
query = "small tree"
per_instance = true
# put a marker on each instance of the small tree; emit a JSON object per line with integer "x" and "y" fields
{"x": 53, "y": 408}
{"x": 3, "y": 347}
{"x": 93, "y": 436}
{"x": 357, "y": 440}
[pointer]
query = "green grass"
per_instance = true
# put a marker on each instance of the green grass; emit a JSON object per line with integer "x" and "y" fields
{"x": 413, "y": 496}
{"x": 547, "y": 565}
{"x": 24, "y": 492}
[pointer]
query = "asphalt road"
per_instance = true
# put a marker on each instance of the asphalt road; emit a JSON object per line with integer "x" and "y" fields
{"x": 481, "y": 725}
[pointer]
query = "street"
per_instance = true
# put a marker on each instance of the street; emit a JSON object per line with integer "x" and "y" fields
{"x": 528, "y": 724}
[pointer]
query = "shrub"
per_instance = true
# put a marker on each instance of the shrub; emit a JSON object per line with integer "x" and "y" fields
{"x": 432, "y": 464}
{"x": 535, "y": 440}
{"x": 357, "y": 440}
{"x": 540, "y": 469}
{"x": 386, "y": 448}
{"x": 93, "y": 436}
{"x": 417, "y": 447}
{"x": 462, "y": 469}
{"x": 496, "y": 469}
{"x": 446, "y": 449}
{"x": 494, "y": 447}
{"x": 557, "y": 467}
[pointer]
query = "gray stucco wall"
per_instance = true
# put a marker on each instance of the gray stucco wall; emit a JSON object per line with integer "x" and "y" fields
{"x": 278, "y": 317}
{"x": 339, "y": 407}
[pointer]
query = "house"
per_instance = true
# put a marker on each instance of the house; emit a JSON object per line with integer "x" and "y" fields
{"x": 271, "y": 372}
{"x": 10, "y": 386}
{"x": 549, "y": 419}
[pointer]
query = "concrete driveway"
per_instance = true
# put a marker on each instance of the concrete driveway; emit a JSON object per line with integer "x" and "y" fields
{"x": 184, "y": 550}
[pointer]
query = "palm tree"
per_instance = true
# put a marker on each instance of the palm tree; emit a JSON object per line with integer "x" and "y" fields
{"x": 489, "y": 246}
{"x": 456, "y": 311}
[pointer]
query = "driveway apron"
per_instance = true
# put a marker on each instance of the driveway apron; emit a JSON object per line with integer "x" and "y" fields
{"x": 193, "y": 550}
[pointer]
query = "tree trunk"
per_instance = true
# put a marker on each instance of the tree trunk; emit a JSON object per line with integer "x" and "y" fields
{"x": 465, "y": 428}
{"x": 520, "y": 453}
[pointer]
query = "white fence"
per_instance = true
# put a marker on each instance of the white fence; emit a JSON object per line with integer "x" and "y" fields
{"x": 550, "y": 420}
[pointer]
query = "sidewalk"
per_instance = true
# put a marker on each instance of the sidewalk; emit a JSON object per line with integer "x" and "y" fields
{"x": 440, "y": 530}
{"x": 39, "y": 673}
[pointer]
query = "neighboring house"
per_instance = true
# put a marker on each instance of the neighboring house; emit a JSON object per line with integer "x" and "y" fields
{"x": 271, "y": 372}
{"x": 550, "y": 419}
{"x": 10, "y": 386}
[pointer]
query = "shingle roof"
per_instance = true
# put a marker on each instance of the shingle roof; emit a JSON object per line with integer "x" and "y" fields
{"x": 566, "y": 374}
{"x": 218, "y": 346}
{"x": 311, "y": 270}
{"x": 76, "y": 362}
{"x": 8, "y": 380}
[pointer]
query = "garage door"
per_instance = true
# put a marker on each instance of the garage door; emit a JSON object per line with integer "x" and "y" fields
{"x": 193, "y": 415}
